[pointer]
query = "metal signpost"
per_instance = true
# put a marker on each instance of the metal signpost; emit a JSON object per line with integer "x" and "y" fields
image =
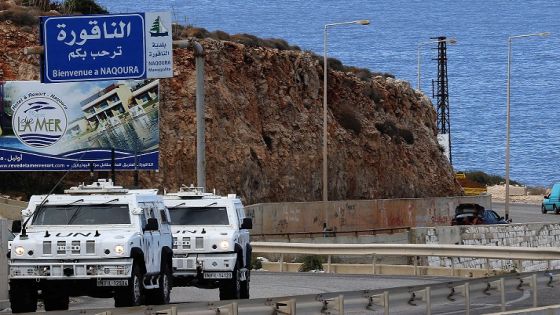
{"x": 106, "y": 47}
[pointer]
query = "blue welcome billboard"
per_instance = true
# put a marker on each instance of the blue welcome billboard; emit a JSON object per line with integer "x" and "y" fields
{"x": 106, "y": 47}
{"x": 75, "y": 126}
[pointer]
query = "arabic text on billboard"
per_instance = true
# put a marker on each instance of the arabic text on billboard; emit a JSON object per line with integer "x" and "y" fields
{"x": 75, "y": 126}
{"x": 106, "y": 47}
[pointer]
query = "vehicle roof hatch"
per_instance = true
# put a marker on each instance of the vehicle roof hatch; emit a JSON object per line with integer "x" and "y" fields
{"x": 102, "y": 186}
{"x": 192, "y": 192}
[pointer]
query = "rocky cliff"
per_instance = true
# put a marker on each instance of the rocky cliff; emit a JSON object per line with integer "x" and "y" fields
{"x": 264, "y": 126}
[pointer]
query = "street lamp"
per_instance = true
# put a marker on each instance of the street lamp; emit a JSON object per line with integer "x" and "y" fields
{"x": 358, "y": 22}
{"x": 451, "y": 41}
{"x": 543, "y": 34}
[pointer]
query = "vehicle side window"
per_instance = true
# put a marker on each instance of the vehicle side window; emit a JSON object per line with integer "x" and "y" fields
{"x": 143, "y": 217}
{"x": 240, "y": 213}
{"x": 163, "y": 213}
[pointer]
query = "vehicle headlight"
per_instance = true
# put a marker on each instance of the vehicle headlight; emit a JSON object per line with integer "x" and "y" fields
{"x": 119, "y": 249}
{"x": 224, "y": 244}
{"x": 20, "y": 250}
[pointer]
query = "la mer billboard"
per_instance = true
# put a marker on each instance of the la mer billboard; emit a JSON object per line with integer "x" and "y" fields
{"x": 78, "y": 125}
{"x": 106, "y": 47}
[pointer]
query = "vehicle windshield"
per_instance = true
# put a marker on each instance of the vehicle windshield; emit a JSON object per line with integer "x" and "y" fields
{"x": 199, "y": 216}
{"x": 82, "y": 214}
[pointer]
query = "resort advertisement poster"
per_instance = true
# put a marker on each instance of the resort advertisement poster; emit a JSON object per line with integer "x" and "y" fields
{"x": 79, "y": 126}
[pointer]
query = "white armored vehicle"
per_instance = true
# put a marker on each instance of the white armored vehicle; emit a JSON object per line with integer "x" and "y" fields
{"x": 98, "y": 240}
{"x": 211, "y": 247}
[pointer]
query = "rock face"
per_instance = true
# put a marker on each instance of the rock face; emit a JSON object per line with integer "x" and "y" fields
{"x": 264, "y": 120}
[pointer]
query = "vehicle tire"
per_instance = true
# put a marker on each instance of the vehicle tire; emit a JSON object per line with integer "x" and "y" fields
{"x": 556, "y": 210}
{"x": 55, "y": 298}
{"x": 231, "y": 290}
{"x": 244, "y": 294}
{"x": 133, "y": 294}
{"x": 162, "y": 294}
{"x": 23, "y": 296}
{"x": 543, "y": 209}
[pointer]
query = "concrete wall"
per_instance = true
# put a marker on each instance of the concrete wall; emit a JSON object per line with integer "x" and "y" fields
{"x": 11, "y": 209}
{"x": 528, "y": 235}
{"x": 4, "y": 303}
{"x": 291, "y": 217}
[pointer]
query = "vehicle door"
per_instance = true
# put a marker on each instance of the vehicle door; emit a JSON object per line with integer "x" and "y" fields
{"x": 243, "y": 233}
{"x": 554, "y": 197}
{"x": 490, "y": 217}
{"x": 150, "y": 240}
{"x": 165, "y": 225}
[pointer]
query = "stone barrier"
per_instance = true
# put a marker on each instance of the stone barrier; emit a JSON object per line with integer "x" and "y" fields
{"x": 515, "y": 235}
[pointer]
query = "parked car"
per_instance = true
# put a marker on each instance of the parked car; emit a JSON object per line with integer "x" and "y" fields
{"x": 473, "y": 214}
{"x": 551, "y": 202}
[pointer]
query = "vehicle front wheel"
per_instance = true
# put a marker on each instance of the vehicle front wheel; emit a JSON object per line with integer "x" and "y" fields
{"x": 543, "y": 209}
{"x": 23, "y": 296}
{"x": 55, "y": 298}
{"x": 556, "y": 210}
{"x": 231, "y": 290}
{"x": 162, "y": 294}
{"x": 131, "y": 295}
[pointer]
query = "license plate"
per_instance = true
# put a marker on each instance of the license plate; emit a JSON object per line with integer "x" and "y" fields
{"x": 217, "y": 275}
{"x": 112, "y": 283}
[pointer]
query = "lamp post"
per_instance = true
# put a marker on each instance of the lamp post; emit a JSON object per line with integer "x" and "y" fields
{"x": 451, "y": 41}
{"x": 506, "y": 207}
{"x": 358, "y": 22}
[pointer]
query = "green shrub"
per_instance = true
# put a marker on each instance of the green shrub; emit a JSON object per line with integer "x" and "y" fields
{"x": 20, "y": 16}
{"x": 407, "y": 135}
{"x": 83, "y": 6}
{"x": 309, "y": 263}
{"x": 373, "y": 94}
{"x": 387, "y": 127}
{"x": 220, "y": 35}
{"x": 256, "y": 263}
{"x": 347, "y": 118}
{"x": 487, "y": 179}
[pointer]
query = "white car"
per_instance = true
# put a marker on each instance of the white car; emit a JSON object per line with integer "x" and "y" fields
{"x": 99, "y": 240}
{"x": 211, "y": 246}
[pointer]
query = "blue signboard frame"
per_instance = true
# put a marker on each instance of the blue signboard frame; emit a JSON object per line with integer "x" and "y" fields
{"x": 106, "y": 47}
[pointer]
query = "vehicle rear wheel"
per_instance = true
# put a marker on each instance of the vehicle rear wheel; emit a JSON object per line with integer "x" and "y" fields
{"x": 162, "y": 294}
{"x": 55, "y": 298}
{"x": 131, "y": 295}
{"x": 543, "y": 209}
{"x": 556, "y": 210}
{"x": 231, "y": 290}
{"x": 23, "y": 296}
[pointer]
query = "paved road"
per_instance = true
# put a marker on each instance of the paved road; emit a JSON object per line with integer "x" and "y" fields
{"x": 266, "y": 284}
{"x": 269, "y": 284}
{"x": 526, "y": 213}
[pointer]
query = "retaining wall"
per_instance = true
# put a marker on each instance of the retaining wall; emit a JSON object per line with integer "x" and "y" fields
{"x": 351, "y": 215}
{"x": 516, "y": 235}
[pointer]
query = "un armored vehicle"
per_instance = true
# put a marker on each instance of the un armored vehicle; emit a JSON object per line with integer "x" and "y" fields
{"x": 98, "y": 240}
{"x": 211, "y": 247}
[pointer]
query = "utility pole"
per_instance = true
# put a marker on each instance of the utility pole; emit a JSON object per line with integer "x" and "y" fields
{"x": 441, "y": 94}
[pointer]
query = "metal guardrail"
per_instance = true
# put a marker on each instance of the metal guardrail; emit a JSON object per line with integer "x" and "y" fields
{"x": 410, "y": 250}
{"x": 329, "y": 233}
{"x": 494, "y": 252}
{"x": 462, "y": 295}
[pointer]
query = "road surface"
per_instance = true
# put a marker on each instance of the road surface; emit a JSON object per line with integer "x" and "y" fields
{"x": 526, "y": 213}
